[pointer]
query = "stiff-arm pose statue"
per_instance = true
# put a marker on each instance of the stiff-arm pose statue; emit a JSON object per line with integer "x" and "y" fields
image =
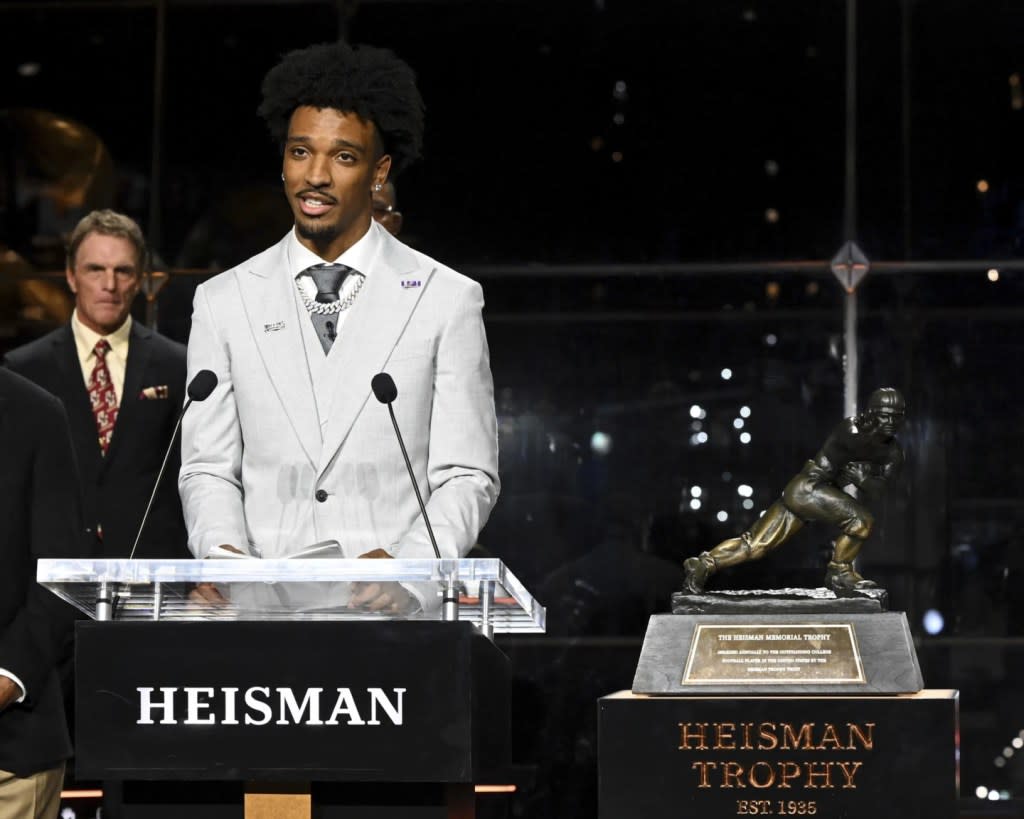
{"x": 859, "y": 456}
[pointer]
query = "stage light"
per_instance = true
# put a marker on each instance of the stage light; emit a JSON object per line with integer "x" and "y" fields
{"x": 616, "y": 156}
{"x": 696, "y": 411}
{"x": 993, "y": 275}
{"x": 982, "y": 186}
{"x": 933, "y": 621}
{"x": 737, "y": 423}
{"x": 771, "y": 216}
{"x": 694, "y": 504}
{"x": 744, "y": 490}
{"x": 748, "y": 503}
{"x": 744, "y": 412}
{"x": 1017, "y": 743}
{"x": 726, "y": 374}
{"x": 981, "y": 791}
{"x": 696, "y": 491}
{"x": 771, "y": 339}
{"x": 722, "y": 516}
{"x": 744, "y": 437}
{"x": 771, "y": 167}
{"x": 29, "y": 69}
{"x": 601, "y": 443}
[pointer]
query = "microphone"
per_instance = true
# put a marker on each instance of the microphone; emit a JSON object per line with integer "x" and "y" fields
{"x": 199, "y": 389}
{"x": 385, "y": 391}
{"x": 202, "y": 385}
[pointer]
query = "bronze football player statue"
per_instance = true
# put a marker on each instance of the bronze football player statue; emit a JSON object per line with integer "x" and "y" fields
{"x": 859, "y": 456}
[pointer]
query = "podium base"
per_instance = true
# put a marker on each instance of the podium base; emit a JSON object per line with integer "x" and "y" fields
{"x": 286, "y": 800}
{"x": 271, "y": 800}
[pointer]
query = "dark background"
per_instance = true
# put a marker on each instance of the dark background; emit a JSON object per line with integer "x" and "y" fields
{"x": 650, "y": 193}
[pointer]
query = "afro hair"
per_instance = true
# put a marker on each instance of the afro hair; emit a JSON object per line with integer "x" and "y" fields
{"x": 371, "y": 82}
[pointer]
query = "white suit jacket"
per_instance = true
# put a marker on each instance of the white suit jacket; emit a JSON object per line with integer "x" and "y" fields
{"x": 255, "y": 455}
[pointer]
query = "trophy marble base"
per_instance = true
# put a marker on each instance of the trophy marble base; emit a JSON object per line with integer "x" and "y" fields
{"x": 780, "y": 601}
{"x": 712, "y": 757}
{"x": 755, "y": 650}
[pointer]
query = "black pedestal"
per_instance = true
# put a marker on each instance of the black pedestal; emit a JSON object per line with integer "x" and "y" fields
{"x": 388, "y": 715}
{"x": 830, "y": 757}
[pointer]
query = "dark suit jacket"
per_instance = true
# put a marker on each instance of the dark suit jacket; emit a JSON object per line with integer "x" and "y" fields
{"x": 116, "y": 487}
{"x": 40, "y": 516}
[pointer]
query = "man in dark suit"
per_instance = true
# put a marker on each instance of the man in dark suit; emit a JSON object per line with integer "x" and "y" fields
{"x": 122, "y": 386}
{"x": 41, "y": 517}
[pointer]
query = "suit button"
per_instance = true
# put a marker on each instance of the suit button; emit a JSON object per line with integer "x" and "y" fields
{"x": 321, "y": 495}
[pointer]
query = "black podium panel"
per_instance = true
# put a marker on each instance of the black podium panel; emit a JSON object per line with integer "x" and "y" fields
{"x": 827, "y": 757}
{"x": 315, "y": 701}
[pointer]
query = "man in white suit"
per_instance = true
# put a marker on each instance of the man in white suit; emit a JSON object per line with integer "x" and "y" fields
{"x": 292, "y": 448}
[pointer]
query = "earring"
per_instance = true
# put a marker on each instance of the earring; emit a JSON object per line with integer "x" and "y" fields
{"x": 282, "y": 176}
{"x": 378, "y": 187}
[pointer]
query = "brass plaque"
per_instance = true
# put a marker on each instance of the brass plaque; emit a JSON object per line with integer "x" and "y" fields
{"x": 760, "y": 654}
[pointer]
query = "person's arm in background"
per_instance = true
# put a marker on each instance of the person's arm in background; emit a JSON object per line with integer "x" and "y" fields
{"x": 32, "y": 641}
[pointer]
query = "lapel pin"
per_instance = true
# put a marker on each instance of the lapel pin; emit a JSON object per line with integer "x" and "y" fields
{"x": 407, "y": 283}
{"x": 273, "y": 327}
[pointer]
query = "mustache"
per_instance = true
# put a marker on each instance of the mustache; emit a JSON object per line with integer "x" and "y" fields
{"x": 326, "y": 197}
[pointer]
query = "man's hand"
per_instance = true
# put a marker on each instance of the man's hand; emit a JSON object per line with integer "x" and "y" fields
{"x": 10, "y": 692}
{"x": 385, "y": 597}
{"x": 207, "y": 594}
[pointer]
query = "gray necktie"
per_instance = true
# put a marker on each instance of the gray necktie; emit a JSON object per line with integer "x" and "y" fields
{"x": 328, "y": 279}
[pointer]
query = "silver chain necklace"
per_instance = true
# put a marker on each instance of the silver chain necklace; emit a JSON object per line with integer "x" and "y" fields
{"x": 329, "y": 308}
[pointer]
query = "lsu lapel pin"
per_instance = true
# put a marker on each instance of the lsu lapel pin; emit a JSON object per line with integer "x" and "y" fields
{"x": 407, "y": 283}
{"x": 273, "y": 327}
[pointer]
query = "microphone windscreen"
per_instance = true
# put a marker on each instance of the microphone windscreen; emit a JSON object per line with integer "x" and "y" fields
{"x": 384, "y": 388}
{"x": 202, "y": 385}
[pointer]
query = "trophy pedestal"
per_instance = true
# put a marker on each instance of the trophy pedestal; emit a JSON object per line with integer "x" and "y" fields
{"x": 754, "y": 644}
{"x": 829, "y": 756}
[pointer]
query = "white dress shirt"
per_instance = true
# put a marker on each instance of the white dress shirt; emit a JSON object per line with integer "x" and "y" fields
{"x": 117, "y": 355}
{"x": 361, "y": 257}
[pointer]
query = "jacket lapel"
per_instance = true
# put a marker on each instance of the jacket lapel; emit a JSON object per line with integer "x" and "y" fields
{"x": 140, "y": 348}
{"x": 370, "y": 332}
{"x": 76, "y": 400}
{"x": 269, "y": 304}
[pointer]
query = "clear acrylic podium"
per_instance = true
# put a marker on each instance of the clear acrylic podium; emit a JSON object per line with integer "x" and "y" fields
{"x": 284, "y": 692}
{"x": 481, "y": 591}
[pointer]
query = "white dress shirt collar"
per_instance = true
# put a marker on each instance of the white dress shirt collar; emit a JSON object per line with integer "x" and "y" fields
{"x": 361, "y": 256}
{"x": 85, "y": 339}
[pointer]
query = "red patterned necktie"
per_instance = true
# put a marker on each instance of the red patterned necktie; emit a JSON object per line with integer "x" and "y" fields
{"x": 102, "y": 396}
